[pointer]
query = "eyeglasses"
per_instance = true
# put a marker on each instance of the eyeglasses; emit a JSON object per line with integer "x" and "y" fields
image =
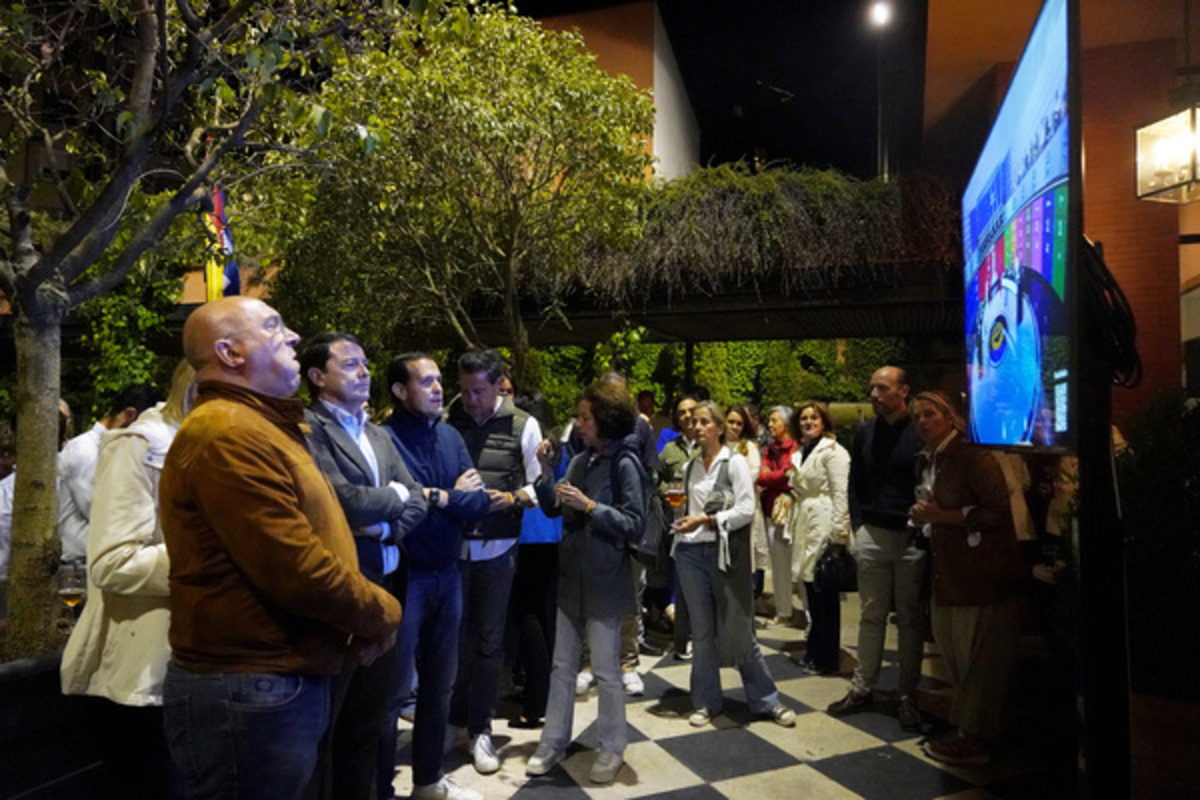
{"x": 273, "y": 326}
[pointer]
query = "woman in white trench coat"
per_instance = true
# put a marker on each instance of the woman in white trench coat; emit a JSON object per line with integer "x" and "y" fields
{"x": 820, "y": 516}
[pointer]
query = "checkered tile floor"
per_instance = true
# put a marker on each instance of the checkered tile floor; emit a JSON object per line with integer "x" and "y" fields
{"x": 865, "y": 755}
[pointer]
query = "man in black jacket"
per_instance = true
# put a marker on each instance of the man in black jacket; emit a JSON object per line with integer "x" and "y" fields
{"x": 382, "y": 503}
{"x": 503, "y": 441}
{"x": 891, "y": 562}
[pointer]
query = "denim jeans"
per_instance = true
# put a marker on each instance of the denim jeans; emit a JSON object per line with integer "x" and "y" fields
{"x": 428, "y": 644}
{"x": 890, "y": 568}
{"x": 604, "y": 644}
{"x": 244, "y": 735}
{"x": 486, "y": 586}
{"x": 700, "y": 578}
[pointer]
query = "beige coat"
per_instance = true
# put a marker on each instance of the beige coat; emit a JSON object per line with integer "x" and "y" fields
{"x": 119, "y": 647}
{"x": 820, "y": 504}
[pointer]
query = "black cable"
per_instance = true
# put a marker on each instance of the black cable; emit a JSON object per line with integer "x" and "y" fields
{"x": 1108, "y": 324}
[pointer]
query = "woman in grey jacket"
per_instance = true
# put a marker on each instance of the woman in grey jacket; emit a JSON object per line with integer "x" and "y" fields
{"x": 595, "y": 582}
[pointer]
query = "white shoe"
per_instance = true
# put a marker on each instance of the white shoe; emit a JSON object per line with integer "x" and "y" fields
{"x": 606, "y": 767}
{"x": 699, "y": 718}
{"x": 455, "y": 737}
{"x": 544, "y": 759}
{"x": 583, "y": 682}
{"x": 445, "y": 789}
{"x": 484, "y": 754}
{"x": 633, "y": 684}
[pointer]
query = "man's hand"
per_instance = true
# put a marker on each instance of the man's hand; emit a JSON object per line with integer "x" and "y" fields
{"x": 367, "y": 651}
{"x": 469, "y": 481}
{"x": 499, "y": 501}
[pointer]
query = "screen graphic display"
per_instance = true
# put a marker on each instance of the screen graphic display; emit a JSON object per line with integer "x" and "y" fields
{"x": 1017, "y": 236}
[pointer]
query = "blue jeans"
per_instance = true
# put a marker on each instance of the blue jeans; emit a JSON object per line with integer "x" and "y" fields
{"x": 700, "y": 579}
{"x": 604, "y": 644}
{"x": 428, "y": 644}
{"x": 244, "y": 735}
{"x": 486, "y": 586}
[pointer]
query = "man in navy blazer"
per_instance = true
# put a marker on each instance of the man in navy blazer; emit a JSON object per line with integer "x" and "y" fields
{"x": 382, "y": 503}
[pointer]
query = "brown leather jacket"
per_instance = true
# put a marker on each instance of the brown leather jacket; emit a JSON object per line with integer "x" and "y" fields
{"x": 966, "y": 574}
{"x": 264, "y": 576}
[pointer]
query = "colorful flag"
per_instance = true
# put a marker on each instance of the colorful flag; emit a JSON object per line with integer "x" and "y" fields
{"x": 221, "y": 281}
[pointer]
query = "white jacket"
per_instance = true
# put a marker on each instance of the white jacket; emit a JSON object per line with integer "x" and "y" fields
{"x": 820, "y": 504}
{"x": 119, "y": 647}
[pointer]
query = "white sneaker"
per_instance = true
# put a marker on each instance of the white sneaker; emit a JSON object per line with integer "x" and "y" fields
{"x": 633, "y": 684}
{"x": 544, "y": 759}
{"x": 445, "y": 789}
{"x": 484, "y": 754}
{"x": 583, "y": 682}
{"x": 455, "y": 737}
{"x": 605, "y": 767}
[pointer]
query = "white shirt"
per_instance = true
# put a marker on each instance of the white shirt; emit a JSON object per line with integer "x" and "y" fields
{"x": 531, "y": 437}
{"x": 355, "y": 426}
{"x": 77, "y": 467}
{"x": 76, "y": 478}
{"x": 700, "y": 483}
{"x": 6, "y": 505}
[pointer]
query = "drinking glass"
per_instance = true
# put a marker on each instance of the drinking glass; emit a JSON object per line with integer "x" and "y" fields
{"x": 676, "y": 497}
{"x": 72, "y": 587}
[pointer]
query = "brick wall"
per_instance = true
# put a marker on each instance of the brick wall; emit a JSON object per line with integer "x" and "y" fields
{"x": 1125, "y": 86}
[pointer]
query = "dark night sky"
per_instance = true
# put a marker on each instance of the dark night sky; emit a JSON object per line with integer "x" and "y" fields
{"x": 792, "y": 79}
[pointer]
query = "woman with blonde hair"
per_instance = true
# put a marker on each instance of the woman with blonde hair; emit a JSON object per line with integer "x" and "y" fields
{"x": 119, "y": 650}
{"x": 741, "y": 436}
{"x": 820, "y": 517}
{"x": 712, "y": 556}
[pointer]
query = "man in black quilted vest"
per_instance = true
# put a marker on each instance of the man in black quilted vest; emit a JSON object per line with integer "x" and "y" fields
{"x": 503, "y": 442}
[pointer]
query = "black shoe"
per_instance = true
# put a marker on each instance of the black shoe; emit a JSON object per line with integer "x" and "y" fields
{"x": 908, "y": 714}
{"x": 852, "y": 703}
{"x": 647, "y": 649}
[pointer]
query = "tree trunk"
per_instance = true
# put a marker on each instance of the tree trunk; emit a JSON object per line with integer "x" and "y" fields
{"x": 32, "y": 599}
{"x": 518, "y": 335}
{"x": 37, "y": 329}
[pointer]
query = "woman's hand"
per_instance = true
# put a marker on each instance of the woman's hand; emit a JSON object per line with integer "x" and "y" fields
{"x": 689, "y": 524}
{"x": 924, "y": 512}
{"x": 571, "y": 497}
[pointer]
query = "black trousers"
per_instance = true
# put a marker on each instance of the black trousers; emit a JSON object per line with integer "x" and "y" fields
{"x": 824, "y": 635}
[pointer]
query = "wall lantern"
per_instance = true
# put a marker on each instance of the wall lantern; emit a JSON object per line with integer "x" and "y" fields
{"x": 1167, "y": 149}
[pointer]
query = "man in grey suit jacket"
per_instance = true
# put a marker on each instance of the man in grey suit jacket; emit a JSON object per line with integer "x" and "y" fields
{"x": 382, "y": 503}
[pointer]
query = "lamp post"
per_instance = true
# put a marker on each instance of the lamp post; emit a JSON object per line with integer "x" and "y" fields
{"x": 880, "y": 15}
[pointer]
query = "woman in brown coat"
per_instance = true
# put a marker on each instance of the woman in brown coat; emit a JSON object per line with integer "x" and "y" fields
{"x": 963, "y": 507}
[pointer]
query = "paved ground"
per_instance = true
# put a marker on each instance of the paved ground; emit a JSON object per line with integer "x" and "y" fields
{"x": 862, "y": 756}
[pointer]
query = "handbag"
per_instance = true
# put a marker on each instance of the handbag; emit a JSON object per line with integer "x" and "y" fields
{"x": 781, "y": 509}
{"x": 836, "y": 570}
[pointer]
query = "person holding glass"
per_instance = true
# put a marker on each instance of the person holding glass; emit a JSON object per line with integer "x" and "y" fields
{"x": 118, "y": 650}
{"x": 601, "y": 502}
{"x": 820, "y": 517}
{"x": 712, "y": 557}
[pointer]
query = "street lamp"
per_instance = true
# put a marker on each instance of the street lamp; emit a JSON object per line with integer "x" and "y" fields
{"x": 880, "y": 15}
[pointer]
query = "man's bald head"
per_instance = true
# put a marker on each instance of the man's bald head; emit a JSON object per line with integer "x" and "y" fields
{"x": 242, "y": 340}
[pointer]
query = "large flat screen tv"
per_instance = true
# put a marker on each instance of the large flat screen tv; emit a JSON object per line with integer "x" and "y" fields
{"x": 1021, "y": 223}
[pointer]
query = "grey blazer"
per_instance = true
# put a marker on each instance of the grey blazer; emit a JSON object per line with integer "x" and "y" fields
{"x": 364, "y": 503}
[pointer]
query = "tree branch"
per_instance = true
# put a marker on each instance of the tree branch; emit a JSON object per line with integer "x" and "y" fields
{"x": 185, "y": 197}
{"x": 145, "y": 63}
{"x": 97, "y": 225}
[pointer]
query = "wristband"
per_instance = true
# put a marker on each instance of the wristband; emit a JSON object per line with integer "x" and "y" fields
{"x": 590, "y": 507}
